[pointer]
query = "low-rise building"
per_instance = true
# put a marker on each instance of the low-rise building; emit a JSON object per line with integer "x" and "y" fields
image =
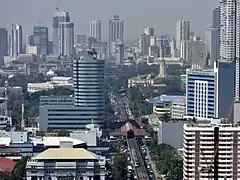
{"x": 178, "y": 109}
{"x": 163, "y": 104}
{"x": 66, "y": 163}
{"x": 35, "y": 87}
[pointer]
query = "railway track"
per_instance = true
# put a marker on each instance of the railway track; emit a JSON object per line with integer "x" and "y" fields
{"x": 141, "y": 171}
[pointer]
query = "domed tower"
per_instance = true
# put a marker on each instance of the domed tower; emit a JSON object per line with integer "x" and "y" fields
{"x": 162, "y": 68}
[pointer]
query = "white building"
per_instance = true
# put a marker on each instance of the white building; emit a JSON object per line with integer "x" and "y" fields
{"x": 35, "y": 87}
{"x": 95, "y": 30}
{"x": 182, "y": 32}
{"x": 198, "y": 151}
{"x": 178, "y": 109}
{"x": 16, "y": 40}
{"x": 116, "y": 29}
{"x": 66, "y": 163}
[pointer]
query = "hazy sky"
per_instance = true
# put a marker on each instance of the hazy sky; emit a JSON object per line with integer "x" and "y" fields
{"x": 160, "y": 14}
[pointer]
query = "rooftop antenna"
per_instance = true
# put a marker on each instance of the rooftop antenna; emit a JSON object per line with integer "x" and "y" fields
{"x": 57, "y": 8}
{"x": 92, "y": 121}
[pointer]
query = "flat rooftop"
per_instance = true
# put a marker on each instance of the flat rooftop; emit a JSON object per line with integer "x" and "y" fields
{"x": 66, "y": 154}
{"x": 167, "y": 98}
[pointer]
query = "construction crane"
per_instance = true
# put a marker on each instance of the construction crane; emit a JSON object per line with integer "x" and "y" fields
{"x": 213, "y": 164}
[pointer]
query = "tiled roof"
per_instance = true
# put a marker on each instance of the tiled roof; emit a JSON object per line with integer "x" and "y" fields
{"x": 6, "y": 165}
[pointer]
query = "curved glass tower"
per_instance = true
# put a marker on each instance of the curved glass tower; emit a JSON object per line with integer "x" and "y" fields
{"x": 89, "y": 86}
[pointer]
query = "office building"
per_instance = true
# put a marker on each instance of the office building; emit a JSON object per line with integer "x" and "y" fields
{"x": 66, "y": 41}
{"x": 198, "y": 151}
{"x": 16, "y": 41}
{"x": 66, "y": 163}
{"x": 212, "y": 44}
{"x": 3, "y": 44}
{"x": 116, "y": 29}
{"x": 58, "y": 113}
{"x": 57, "y": 18}
{"x": 95, "y": 30}
{"x": 144, "y": 44}
{"x": 89, "y": 86}
{"x": 178, "y": 109}
{"x": 209, "y": 91}
{"x": 40, "y": 39}
{"x": 229, "y": 37}
{"x": 182, "y": 32}
{"x": 149, "y": 31}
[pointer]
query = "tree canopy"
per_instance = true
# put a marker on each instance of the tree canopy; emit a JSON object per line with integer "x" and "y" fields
{"x": 119, "y": 168}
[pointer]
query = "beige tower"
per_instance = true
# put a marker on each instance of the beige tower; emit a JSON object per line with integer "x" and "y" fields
{"x": 162, "y": 68}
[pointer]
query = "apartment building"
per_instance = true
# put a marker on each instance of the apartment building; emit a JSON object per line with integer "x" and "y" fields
{"x": 198, "y": 151}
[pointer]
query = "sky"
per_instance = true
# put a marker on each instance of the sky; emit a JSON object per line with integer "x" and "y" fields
{"x": 160, "y": 14}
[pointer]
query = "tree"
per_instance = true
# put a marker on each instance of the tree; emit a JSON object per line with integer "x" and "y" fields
{"x": 119, "y": 168}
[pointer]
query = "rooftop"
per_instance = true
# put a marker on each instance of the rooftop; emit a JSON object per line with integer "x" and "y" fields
{"x": 55, "y": 141}
{"x": 56, "y": 78}
{"x": 67, "y": 154}
{"x": 167, "y": 98}
{"x": 6, "y": 165}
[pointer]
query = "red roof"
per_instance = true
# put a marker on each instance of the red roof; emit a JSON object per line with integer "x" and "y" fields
{"x": 6, "y": 164}
{"x": 128, "y": 126}
{"x": 137, "y": 132}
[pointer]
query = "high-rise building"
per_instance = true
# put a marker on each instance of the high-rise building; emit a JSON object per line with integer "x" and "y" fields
{"x": 66, "y": 35}
{"x": 144, "y": 44}
{"x": 212, "y": 44}
{"x": 16, "y": 40}
{"x": 95, "y": 30}
{"x": 40, "y": 34}
{"x": 3, "y": 44}
{"x": 199, "y": 154}
{"x": 182, "y": 32}
{"x": 193, "y": 52}
{"x": 209, "y": 91}
{"x": 29, "y": 39}
{"x": 149, "y": 31}
{"x": 216, "y": 24}
{"x": 89, "y": 86}
{"x": 57, "y": 18}
{"x": 229, "y": 36}
{"x": 116, "y": 29}
{"x": 216, "y": 18}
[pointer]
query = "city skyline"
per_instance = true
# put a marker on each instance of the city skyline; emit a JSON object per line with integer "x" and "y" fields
{"x": 133, "y": 24}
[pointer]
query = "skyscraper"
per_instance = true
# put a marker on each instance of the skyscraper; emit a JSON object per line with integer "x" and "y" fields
{"x": 116, "y": 29}
{"x": 229, "y": 37}
{"x": 3, "y": 44}
{"x": 89, "y": 86}
{"x": 212, "y": 44}
{"x": 144, "y": 43}
{"x": 40, "y": 38}
{"x": 66, "y": 38}
{"x": 57, "y": 18}
{"x": 16, "y": 40}
{"x": 216, "y": 18}
{"x": 216, "y": 25}
{"x": 95, "y": 30}
{"x": 182, "y": 32}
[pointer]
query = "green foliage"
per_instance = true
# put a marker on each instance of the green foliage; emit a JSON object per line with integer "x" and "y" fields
{"x": 140, "y": 106}
{"x": 63, "y": 133}
{"x": 168, "y": 161}
{"x": 119, "y": 168}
